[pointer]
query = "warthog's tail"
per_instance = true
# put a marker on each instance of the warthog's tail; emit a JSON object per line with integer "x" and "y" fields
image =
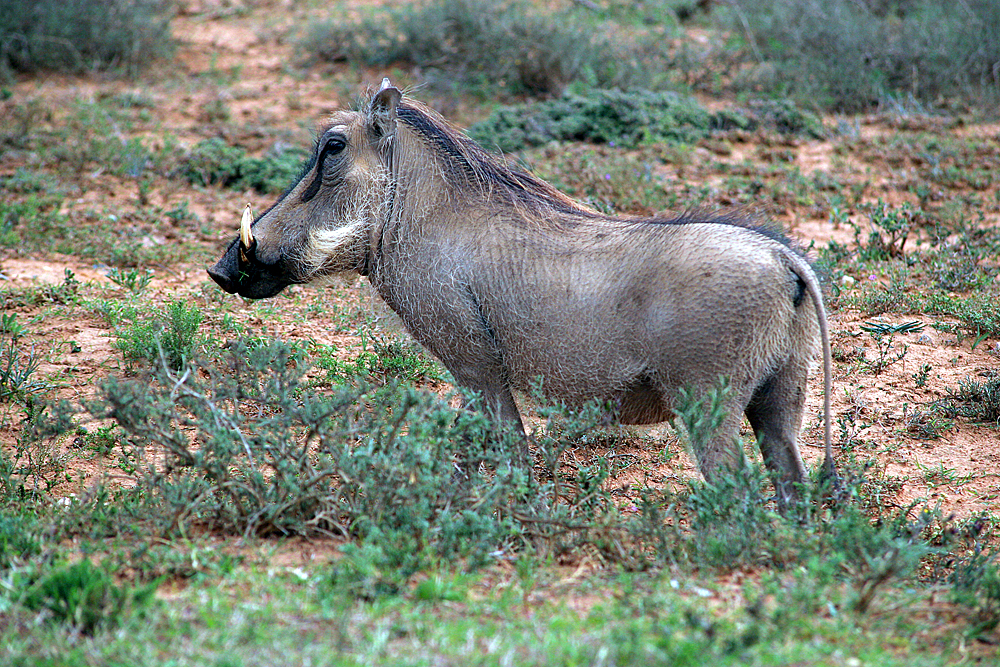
{"x": 808, "y": 276}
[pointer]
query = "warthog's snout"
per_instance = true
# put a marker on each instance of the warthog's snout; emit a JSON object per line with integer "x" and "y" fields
{"x": 247, "y": 275}
{"x": 242, "y": 271}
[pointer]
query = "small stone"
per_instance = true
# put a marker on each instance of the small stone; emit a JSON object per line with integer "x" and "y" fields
{"x": 847, "y": 282}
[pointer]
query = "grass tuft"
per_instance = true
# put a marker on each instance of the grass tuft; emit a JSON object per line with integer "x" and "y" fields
{"x": 84, "y": 596}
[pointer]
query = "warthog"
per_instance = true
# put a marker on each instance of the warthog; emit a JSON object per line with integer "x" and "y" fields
{"x": 506, "y": 279}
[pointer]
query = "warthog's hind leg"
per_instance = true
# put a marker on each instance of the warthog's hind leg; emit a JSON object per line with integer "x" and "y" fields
{"x": 722, "y": 454}
{"x": 775, "y": 413}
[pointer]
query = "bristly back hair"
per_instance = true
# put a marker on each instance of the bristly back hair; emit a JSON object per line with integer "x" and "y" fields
{"x": 732, "y": 217}
{"x": 470, "y": 165}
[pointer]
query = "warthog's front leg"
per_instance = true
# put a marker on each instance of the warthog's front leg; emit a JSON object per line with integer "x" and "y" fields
{"x": 496, "y": 400}
{"x": 474, "y": 356}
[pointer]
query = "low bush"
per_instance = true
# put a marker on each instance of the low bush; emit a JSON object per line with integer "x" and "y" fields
{"x": 214, "y": 162}
{"x": 18, "y": 370}
{"x": 975, "y": 400}
{"x": 244, "y": 445}
{"x": 601, "y": 116}
{"x": 852, "y": 56}
{"x": 83, "y": 596}
{"x": 381, "y": 359}
{"x": 974, "y": 575}
{"x": 511, "y": 45}
{"x": 170, "y": 334}
{"x": 628, "y": 119}
{"x": 80, "y": 35}
{"x": 19, "y": 537}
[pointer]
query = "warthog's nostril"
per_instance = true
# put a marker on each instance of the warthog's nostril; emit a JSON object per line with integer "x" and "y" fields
{"x": 224, "y": 281}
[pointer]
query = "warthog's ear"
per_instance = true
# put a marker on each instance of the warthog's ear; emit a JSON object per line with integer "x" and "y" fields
{"x": 382, "y": 113}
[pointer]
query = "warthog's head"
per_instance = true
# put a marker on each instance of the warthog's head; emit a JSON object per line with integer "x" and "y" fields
{"x": 322, "y": 225}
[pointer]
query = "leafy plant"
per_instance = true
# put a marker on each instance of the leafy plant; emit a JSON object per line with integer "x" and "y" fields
{"x": 171, "y": 334}
{"x": 883, "y": 335}
{"x": 381, "y": 360}
{"x": 17, "y": 369}
{"x": 11, "y": 327}
{"x": 920, "y": 377}
{"x": 928, "y": 424}
{"x": 978, "y": 401}
{"x": 700, "y": 414}
{"x": 975, "y": 575}
{"x": 132, "y": 280}
{"x": 890, "y": 228}
{"x": 101, "y": 440}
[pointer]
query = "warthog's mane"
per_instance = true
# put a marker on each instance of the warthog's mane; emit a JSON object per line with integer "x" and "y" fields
{"x": 468, "y": 166}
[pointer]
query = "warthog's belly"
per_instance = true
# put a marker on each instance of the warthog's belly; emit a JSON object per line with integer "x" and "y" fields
{"x": 643, "y": 403}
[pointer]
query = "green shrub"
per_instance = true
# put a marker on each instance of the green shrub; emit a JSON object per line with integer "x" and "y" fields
{"x": 171, "y": 334}
{"x": 244, "y": 445}
{"x": 600, "y": 116}
{"x": 782, "y": 116}
{"x": 975, "y": 576}
{"x": 628, "y": 119}
{"x": 214, "y": 162}
{"x": 18, "y": 537}
{"x": 18, "y": 367}
{"x": 731, "y": 524}
{"x": 851, "y": 56}
{"x": 344, "y": 461}
{"x": 511, "y": 45}
{"x": 381, "y": 360}
{"x": 132, "y": 280}
{"x": 80, "y": 35}
{"x": 978, "y": 401}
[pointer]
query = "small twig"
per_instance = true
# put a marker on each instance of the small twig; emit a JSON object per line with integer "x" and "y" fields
{"x": 746, "y": 29}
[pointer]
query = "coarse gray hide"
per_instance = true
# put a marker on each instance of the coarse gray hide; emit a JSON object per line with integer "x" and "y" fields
{"x": 506, "y": 280}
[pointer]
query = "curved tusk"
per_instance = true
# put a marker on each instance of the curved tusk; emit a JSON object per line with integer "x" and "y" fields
{"x": 246, "y": 236}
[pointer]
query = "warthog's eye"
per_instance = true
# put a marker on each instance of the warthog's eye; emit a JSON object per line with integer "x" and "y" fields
{"x": 328, "y": 145}
{"x": 332, "y": 146}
